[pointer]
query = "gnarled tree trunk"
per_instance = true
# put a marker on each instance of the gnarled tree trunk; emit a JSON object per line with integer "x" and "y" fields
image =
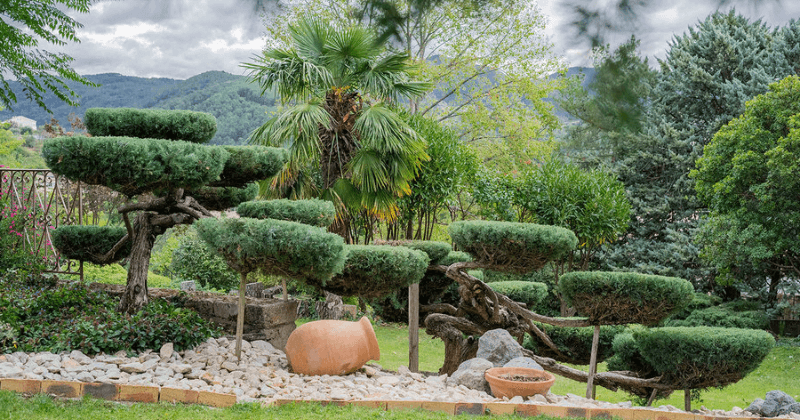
{"x": 135, "y": 296}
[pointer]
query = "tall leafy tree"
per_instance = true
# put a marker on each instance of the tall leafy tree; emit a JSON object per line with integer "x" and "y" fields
{"x": 23, "y": 27}
{"x": 748, "y": 176}
{"x": 704, "y": 81}
{"x": 342, "y": 83}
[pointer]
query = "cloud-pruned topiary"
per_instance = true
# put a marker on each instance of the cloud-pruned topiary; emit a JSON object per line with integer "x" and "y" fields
{"x": 574, "y": 343}
{"x": 87, "y": 243}
{"x": 134, "y": 166}
{"x": 703, "y": 357}
{"x": 624, "y": 298}
{"x": 531, "y": 293}
{"x": 513, "y": 247}
{"x": 374, "y": 270}
{"x": 276, "y": 247}
{"x": 311, "y": 212}
{"x": 191, "y": 126}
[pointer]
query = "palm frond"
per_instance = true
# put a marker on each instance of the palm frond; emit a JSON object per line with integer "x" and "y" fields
{"x": 369, "y": 171}
{"x": 297, "y": 128}
{"x": 310, "y": 37}
{"x": 387, "y": 78}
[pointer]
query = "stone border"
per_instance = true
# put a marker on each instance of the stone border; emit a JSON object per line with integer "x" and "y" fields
{"x": 117, "y": 392}
{"x": 153, "y": 394}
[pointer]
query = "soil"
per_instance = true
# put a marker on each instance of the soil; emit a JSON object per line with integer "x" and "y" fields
{"x": 522, "y": 378}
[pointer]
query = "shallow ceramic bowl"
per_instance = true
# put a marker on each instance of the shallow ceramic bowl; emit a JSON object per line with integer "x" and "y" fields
{"x": 505, "y": 388}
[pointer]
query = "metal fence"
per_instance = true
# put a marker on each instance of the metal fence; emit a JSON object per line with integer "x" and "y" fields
{"x": 46, "y": 201}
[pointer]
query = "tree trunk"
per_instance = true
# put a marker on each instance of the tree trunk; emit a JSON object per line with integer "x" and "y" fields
{"x": 135, "y": 296}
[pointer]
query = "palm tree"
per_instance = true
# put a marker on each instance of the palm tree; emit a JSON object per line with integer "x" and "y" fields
{"x": 342, "y": 84}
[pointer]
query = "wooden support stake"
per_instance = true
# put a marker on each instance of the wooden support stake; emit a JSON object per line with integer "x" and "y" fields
{"x": 240, "y": 316}
{"x": 687, "y": 400}
{"x": 285, "y": 293}
{"x": 593, "y": 363}
{"x": 413, "y": 327}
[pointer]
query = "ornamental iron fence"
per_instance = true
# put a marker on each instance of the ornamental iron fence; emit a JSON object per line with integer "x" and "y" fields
{"x": 46, "y": 201}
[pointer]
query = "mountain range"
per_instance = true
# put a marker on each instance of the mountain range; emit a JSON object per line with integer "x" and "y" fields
{"x": 236, "y": 103}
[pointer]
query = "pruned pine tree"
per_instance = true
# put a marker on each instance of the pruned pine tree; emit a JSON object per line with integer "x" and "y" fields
{"x": 154, "y": 158}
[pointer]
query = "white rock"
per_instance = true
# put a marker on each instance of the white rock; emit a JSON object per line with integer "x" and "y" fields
{"x": 166, "y": 350}
{"x": 134, "y": 367}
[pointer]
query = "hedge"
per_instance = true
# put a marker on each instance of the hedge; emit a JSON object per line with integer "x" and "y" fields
{"x": 530, "y": 293}
{"x": 574, "y": 342}
{"x": 87, "y": 243}
{"x": 699, "y": 301}
{"x": 277, "y": 247}
{"x": 720, "y": 316}
{"x": 513, "y": 247}
{"x": 250, "y": 163}
{"x": 372, "y": 271}
{"x": 702, "y": 357}
{"x": 134, "y": 166}
{"x": 191, "y": 126}
{"x": 624, "y": 298}
{"x": 192, "y": 260}
{"x": 223, "y": 198}
{"x": 627, "y": 356}
{"x": 310, "y": 212}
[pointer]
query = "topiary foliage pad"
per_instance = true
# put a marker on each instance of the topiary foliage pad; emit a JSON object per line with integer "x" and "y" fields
{"x": 702, "y": 357}
{"x": 302, "y": 252}
{"x": 312, "y": 212}
{"x": 609, "y": 298}
{"x": 512, "y": 247}
{"x": 89, "y": 243}
{"x": 372, "y": 271}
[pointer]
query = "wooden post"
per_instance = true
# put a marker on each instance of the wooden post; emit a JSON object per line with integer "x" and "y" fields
{"x": 413, "y": 327}
{"x": 240, "y": 316}
{"x": 285, "y": 293}
{"x": 687, "y": 400}
{"x": 593, "y": 363}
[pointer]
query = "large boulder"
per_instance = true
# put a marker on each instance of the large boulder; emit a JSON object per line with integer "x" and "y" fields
{"x": 498, "y": 347}
{"x": 777, "y": 403}
{"x": 470, "y": 373}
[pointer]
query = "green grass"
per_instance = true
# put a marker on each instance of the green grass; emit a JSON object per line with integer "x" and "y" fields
{"x": 42, "y": 407}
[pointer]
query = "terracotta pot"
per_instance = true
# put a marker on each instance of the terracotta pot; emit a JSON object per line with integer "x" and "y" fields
{"x": 505, "y": 388}
{"x": 331, "y": 347}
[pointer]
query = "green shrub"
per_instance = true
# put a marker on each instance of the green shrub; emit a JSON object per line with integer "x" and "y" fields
{"x": 223, "y": 198}
{"x": 373, "y": 270}
{"x": 278, "y": 247}
{"x": 721, "y": 316}
{"x": 575, "y": 343}
{"x": 191, "y": 126}
{"x": 192, "y": 260}
{"x": 88, "y": 243}
{"x": 513, "y": 247}
{"x": 133, "y": 166}
{"x": 248, "y": 163}
{"x": 699, "y": 301}
{"x": 627, "y": 357}
{"x": 454, "y": 257}
{"x": 436, "y": 251}
{"x": 310, "y": 212}
{"x": 528, "y": 292}
{"x": 72, "y": 317}
{"x": 702, "y": 357}
{"x": 624, "y": 298}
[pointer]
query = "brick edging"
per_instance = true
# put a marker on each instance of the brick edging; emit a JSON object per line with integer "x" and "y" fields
{"x": 152, "y": 394}
{"x": 117, "y": 392}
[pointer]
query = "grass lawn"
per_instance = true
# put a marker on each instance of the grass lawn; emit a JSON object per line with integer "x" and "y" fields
{"x": 42, "y": 407}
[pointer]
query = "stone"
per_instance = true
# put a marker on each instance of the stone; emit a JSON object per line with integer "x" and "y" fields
{"x": 470, "y": 374}
{"x": 10, "y": 372}
{"x": 167, "y": 350}
{"x": 134, "y": 367}
{"x": 525, "y": 362}
{"x": 777, "y": 403}
{"x": 755, "y": 406}
{"x": 498, "y": 347}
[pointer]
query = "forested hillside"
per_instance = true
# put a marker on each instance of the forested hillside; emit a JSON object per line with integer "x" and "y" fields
{"x": 237, "y": 104}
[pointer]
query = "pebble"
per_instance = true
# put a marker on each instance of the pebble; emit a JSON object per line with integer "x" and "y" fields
{"x": 262, "y": 375}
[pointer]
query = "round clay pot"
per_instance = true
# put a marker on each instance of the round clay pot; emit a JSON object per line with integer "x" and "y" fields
{"x": 505, "y": 388}
{"x": 331, "y": 347}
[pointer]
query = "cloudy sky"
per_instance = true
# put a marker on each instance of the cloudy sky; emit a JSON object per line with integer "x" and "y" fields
{"x": 181, "y": 38}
